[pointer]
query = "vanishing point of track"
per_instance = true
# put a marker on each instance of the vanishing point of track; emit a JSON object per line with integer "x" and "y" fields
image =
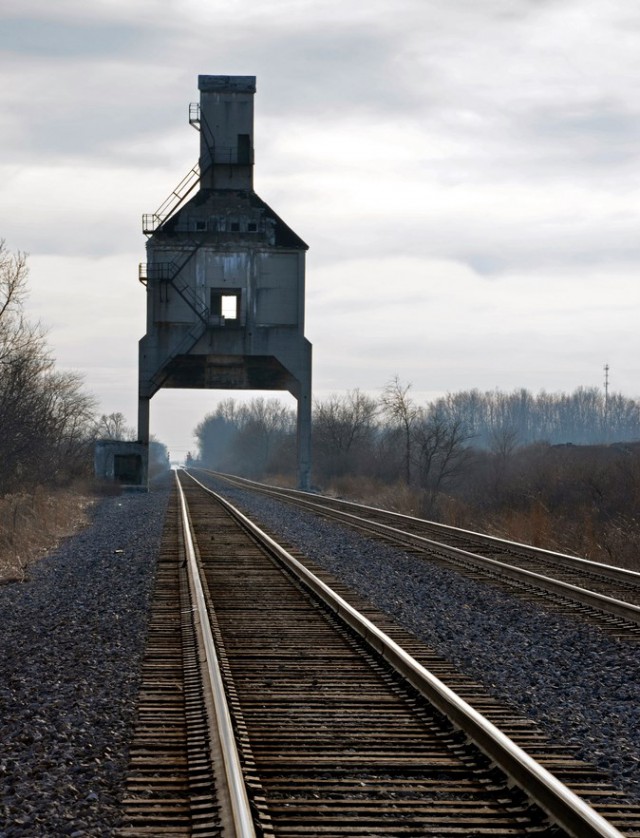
{"x": 311, "y": 721}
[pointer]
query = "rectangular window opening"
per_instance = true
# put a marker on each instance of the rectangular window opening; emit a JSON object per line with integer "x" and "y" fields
{"x": 226, "y": 303}
{"x": 229, "y": 306}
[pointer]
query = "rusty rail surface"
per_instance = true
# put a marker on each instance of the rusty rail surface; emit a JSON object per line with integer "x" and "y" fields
{"x": 332, "y": 739}
{"x": 612, "y": 591}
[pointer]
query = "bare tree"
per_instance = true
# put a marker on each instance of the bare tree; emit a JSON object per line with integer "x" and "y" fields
{"x": 13, "y": 291}
{"x": 443, "y": 453}
{"x": 214, "y": 435}
{"x": 43, "y": 413}
{"x": 113, "y": 426}
{"x": 403, "y": 412}
{"x": 266, "y": 423}
{"x": 66, "y": 420}
{"x": 343, "y": 429}
{"x": 250, "y": 438}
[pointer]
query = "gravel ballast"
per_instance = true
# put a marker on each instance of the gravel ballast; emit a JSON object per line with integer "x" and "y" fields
{"x": 71, "y": 643}
{"x": 579, "y": 684}
{"x": 72, "y": 639}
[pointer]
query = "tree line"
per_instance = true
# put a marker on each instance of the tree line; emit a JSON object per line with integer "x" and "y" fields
{"x": 558, "y": 470}
{"x": 395, "y": 438}
{"x": 585, "y": 417}
{"x": 48, "y": 421}
{"x": 44, "y": 413}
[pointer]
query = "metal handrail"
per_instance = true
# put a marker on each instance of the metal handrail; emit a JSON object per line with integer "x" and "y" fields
{"x": 194, "y": 115}
{"x": 158, "y": 271}
{"x": 151, "y": 221}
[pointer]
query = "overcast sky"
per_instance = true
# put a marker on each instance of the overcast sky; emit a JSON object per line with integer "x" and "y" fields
{"x": 466, "y": 173}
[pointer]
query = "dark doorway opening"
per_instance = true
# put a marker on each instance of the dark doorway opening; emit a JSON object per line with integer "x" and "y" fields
{"x": 127, "y": 468}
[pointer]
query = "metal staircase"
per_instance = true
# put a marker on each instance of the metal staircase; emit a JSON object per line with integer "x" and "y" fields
{"x": 153, "y": 220}
{"x": 170, "y": 272}
{"x": 187, "y": 343}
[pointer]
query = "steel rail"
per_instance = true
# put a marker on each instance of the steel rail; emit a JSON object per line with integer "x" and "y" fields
{"x": 619, "y": 608}
{"x": 578, "y": 562}
{"x": 610, "y": 605}
{"x": 564, "y": 807}
{"x": 222, "y": 726}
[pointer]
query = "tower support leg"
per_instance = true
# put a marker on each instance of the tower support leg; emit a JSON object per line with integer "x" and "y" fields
{"x": 304, "y": 436}
{"x": 143, "y": 436}
{"x": 143, "y": 420}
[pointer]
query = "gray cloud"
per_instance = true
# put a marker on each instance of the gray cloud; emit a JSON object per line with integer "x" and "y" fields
{"x": 51, "y": 38}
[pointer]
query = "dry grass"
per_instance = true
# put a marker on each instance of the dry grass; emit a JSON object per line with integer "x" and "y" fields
{"x": 581, "y": 533}
{"x": 397, "y": 497}
{"x": 284, "y": 481}
{"x": 33, "y": 524}
{"x": 534, "y": 525}
{"x": 615, "y": 542}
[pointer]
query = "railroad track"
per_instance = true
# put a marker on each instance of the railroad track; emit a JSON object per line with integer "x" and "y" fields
{"x": 311, "y": 720}
{"x": 605, "y": 595}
